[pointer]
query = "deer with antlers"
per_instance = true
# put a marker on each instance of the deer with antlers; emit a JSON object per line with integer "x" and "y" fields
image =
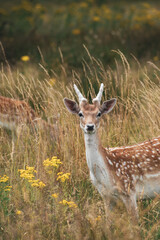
{"x": 16, "y": 113}
{"x": 127, "y": 172}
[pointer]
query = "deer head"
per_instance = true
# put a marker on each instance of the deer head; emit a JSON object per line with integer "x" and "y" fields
{"x": 89, "y": 114}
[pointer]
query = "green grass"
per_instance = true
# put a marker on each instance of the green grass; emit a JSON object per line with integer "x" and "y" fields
{"x": 29, "y": 212}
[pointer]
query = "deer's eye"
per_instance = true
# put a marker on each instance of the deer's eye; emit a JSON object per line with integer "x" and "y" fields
{"x": 80, "y": 114}
{"x": 99, "y": 114}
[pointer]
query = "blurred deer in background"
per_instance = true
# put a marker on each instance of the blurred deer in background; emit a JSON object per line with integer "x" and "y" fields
{"x": 14, "y": 114}
{"x": 127, "y": 172}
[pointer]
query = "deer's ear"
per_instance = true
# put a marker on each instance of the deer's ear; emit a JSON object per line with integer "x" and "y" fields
{"x": 107, "y": 106}
{"x": 72, "y": 106}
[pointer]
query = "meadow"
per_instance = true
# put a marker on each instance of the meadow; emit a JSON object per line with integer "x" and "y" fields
{"x": 45, "y": 188}
{"x": 46, "y": 47}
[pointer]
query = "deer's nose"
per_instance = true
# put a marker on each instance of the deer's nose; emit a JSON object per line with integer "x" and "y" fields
{"x": 90, "y": 127}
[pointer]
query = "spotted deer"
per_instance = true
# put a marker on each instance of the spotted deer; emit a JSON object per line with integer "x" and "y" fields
{"x": 16, "y": 113}
{"x": 127, "y": 172}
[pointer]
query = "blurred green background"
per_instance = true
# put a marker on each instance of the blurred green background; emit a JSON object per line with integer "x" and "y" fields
{"x": 37, "y": 28}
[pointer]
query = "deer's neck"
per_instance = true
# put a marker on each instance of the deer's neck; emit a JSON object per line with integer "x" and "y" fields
{"x": 95, "y": 159}
{"x": 91, "y": 140}
{"x": 93, "y": 150}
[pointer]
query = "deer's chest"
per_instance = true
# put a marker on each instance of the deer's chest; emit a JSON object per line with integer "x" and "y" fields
{"x": 98, "y": 170}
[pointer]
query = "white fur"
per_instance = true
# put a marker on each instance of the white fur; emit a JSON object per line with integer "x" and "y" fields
{"x": 98, "y": 170}
{"x": 149, "y": 186}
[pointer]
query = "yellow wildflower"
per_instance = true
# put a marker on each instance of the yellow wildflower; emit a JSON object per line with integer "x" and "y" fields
{"x": 51, "y": 164}
{"x": 38, "y": 6}
{"x": 52, "y": 81}
{"x": 25, "y": 58}
{"x": 7, "y": 188}
{"x": 41, "y": 184}
{"x": 3, "y": 11}
{"x": 76, "y": 31}
{"x": 30, "y": 169}
{"x": 70, "y": 204}
{"x": 4, "y": 179}
{"x": 96, "y": 19}
{"x": 55, "y": 195}
{"x": 37, "y": 183}
{"x": 27, "y": 173}
{"x": 146, "y": 5}
{"x": 27, "y": 5}
{"x": 18, "y": 212}
{"x": 155, "y": 58}
{"x": 118, "y": 16}
{"x": 64, "y": 202}
{"x": 63, "y": 176}
{"x": 98, "y": 218}
{"x": 83, "y": 5}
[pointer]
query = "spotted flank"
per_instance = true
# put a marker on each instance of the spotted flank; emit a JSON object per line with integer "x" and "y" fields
{"x": 135, "y": 164}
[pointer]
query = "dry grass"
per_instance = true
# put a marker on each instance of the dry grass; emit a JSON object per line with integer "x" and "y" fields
{"x": 28, "y": 212}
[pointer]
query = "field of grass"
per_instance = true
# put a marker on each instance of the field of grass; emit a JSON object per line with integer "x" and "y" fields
{"x": 45, "y": 190}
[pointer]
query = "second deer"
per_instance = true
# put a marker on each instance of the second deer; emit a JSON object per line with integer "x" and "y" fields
{"x": 16, "y": 113}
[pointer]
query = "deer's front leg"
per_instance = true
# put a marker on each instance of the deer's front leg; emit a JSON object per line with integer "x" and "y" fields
{"x": 107, "y": 207}
{"x": 131, "y": 206}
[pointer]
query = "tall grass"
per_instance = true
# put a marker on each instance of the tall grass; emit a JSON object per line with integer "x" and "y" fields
{"x": 32, "y": 212}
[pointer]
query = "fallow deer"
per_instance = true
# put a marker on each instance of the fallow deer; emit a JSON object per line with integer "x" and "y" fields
{"x": 127, "y": 172}
{"x": 16, "y": 113}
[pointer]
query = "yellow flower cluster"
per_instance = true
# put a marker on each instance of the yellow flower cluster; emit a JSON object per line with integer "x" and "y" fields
{"x": 134, "y": 16}
{"x": 37, "y": 183}
{"x": 70, "y": 204}
{"x": 3, "y": 11}
{"x": 55, "y": 195}
{"x": 52, "y": 81}
{"x": 28, "y": 174}
{"x": 25, "y": 58}
{"x": 4, "y": 179}
{"x": 29, "y": 7}
{"x": 76, "y": 31}
{"x": 83, "y": 5}
{"x": 7, "y": 188}
{"x": 98, "y": 218}
{"x": 52, "y": 163}
{"x": 156, "y": 58}
{"x": 18, "y": 212}
{"x": 96, "y": 19}
{"x": 63, "y": 176}
{"x": 26, "y": 5}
